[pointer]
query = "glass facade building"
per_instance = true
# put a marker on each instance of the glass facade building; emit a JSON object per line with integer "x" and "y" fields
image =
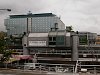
{"x": 18, "y": 24}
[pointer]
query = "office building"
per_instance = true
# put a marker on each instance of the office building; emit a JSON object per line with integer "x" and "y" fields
{"x": 18, "y": 24}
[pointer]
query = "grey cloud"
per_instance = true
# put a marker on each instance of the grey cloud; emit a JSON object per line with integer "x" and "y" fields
{"x": 81, "y": 14}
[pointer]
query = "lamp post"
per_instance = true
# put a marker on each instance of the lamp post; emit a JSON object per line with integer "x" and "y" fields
{"x": 6, "y": 9}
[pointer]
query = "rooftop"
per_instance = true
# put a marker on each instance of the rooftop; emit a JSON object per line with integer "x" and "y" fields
{"x": 32, "y": 15}
{"x": 38, "y": 35}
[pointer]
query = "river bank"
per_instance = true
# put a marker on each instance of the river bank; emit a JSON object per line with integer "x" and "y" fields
{"x": 21, "y": 72}
{"x": 35, "y": 72}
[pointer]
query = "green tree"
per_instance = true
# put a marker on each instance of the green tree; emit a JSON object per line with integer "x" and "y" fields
{"x": 2, "y": 35}
{"x": 69, "y": 28}
{"x": 4, "y": 50}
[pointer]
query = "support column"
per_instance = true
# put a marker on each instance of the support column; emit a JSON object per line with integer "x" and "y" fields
{"x": 25, "y": 51}
{"x": 75, "y": 41}
{"x": 25, "y": 43}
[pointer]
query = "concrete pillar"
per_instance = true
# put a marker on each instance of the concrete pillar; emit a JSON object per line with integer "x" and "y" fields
{"x": 75, "y": 41}
{"x": 25, "y": 51}
{"x": 25, "y": 44}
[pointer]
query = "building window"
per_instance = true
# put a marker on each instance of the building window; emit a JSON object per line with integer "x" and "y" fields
{"x": 54, "y": 38}
{"x": 52, "y": 43}
{"x": 83, "y": 40}
{"x": 60, "y": 40}
{"x": 50, "y": 38}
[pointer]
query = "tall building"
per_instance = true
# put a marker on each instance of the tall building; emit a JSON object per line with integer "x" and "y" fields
{"x": 18, "y": 24}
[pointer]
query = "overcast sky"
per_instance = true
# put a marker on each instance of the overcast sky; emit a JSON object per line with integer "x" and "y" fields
{"x": 82, "y": 15}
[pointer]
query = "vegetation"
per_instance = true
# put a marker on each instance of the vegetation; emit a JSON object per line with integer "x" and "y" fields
{"x": 4, "y": 50}
{"x": 69, "y": 28}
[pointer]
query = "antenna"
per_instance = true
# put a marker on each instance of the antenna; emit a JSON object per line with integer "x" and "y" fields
{"x": 29, "y": 13}
{"x": 59, "y": 16}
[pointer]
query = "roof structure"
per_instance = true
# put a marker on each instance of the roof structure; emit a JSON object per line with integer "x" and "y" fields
{"x": 38, "y": 35}
{"x": 32, "y": 15}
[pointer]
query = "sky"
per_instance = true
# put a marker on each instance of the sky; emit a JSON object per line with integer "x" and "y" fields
{"x": 82, "y": 15}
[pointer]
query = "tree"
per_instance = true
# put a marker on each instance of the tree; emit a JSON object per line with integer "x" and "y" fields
{"x": 69, "y": 28}
{"x": 4, "y": 50}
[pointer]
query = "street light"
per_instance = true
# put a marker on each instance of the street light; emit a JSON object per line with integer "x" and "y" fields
{"x": 6, "y": 9}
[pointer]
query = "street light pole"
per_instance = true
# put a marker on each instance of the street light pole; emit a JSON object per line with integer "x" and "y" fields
{"x": 6, "y": 9}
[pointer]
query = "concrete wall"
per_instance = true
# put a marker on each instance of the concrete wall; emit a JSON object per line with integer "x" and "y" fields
{"x": 38, "y": 39}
